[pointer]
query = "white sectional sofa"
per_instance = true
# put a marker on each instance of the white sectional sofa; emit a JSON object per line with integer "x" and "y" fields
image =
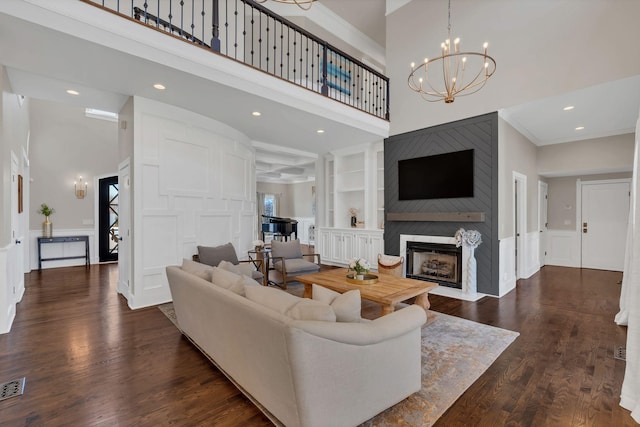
{"x": 301, "y": 372}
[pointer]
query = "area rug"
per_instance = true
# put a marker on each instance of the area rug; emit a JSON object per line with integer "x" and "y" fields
{"x": 455, "y": 352}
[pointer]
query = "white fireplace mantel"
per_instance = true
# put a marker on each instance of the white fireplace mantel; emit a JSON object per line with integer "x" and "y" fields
{"x": 442, "y": 290}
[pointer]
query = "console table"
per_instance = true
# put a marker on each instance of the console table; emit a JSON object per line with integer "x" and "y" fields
{"x": 63, "y": 239}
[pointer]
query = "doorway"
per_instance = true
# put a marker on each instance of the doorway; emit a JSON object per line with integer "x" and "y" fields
{"x": 604, "y": 220}
{"x": 519, "y": 222}
{"x": 543, "y": 198}
{"x": 108, "y": 219}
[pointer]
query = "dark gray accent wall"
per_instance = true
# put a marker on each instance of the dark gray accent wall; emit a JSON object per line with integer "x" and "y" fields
{"x": 478, "y": 133}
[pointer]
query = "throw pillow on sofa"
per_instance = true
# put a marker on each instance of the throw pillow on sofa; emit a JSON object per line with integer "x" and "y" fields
{"x": 308, "y": 309}
{"x": 290, "y": 305}
{"x": 347, "y": 306}
{"x": 244, "y": 268}
{"x": 228, "y": 280}
{"x": 201, "y": 270}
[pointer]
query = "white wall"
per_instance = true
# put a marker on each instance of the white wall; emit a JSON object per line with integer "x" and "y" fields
{"x": 65, "y": 144}
{"x": 587, "y": 157}
{"x": 562, "y": 198}
{"x": 542, "y": 48}
{"x": 193, "y": 184}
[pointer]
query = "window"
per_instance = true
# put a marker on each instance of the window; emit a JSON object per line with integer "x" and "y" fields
{"x": 270, "y": 208}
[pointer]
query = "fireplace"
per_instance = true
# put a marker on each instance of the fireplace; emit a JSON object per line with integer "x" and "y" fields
{"x": 435, "y": 262}
{"x": 456, "y": 277}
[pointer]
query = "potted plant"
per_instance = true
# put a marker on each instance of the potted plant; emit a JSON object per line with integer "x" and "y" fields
{"x": 47, "y": 226}
{"x": 360, "y": 266}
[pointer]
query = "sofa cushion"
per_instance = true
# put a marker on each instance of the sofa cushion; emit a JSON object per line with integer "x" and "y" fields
{"x": 212, "y": 255}
{"x": 244, "y": 268}
{"x": 290, "y": 305}
{"x": 308, "y": 309}
{"x": 272, "y": 298}
{"x": 290, "y": 249}
{"x": 297, "y": 266}
{"x": 201, "y": 270}
{"x": 347, "y": 306}
{"x": 248, "y": 281}
{"x": 228, "y": 280}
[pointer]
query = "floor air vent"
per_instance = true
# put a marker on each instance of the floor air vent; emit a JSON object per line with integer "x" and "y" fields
{"x": 12, "y": 388}
{"x": 620, "y": 353}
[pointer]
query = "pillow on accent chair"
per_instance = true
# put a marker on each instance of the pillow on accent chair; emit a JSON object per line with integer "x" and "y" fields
{"x": 347, "y": 306}
{"x": 212, "y": 255}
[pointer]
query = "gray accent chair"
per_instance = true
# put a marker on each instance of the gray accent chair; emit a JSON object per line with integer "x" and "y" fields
{"x": 288, "y": 260}
{"x": 212, "y": 255}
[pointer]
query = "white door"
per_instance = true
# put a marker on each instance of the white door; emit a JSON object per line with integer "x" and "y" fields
{"x": 543, "y": 191}
{"x": 605, "y": 213}
{"x": 124, "y": 229}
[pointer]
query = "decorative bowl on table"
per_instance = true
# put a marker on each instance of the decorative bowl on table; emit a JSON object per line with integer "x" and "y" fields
{"x": 367, "y": 279}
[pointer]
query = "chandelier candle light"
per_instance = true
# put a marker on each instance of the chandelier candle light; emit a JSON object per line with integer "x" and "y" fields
{"x": 450, "y": 69}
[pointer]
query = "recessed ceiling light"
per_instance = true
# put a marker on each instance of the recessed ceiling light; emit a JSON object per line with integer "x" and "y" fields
{"x": 320, "y": 131}
{"x": 159, "y": 86}
{"x": 73, "y": 92}
{"x": 568, "y": 107}
{"x": 580, "y": 128}
{"x": 256, "y": 113}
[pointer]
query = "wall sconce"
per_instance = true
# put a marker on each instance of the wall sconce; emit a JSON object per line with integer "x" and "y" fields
{"x": 80, "y": 187}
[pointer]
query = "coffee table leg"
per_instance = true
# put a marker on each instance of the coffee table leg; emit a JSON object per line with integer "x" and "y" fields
{"x": 386, "y": 309}
{"x": 307, "y": 291}
{"x": 423, "y": 301}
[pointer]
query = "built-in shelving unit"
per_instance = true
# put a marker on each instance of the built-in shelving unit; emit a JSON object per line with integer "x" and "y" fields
{"x": 354, "y": 178}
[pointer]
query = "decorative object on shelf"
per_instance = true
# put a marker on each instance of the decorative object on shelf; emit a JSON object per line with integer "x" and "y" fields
{"x": 449, "y": 68}
{"x": 353, "y": 212}
{"x": 471, "y": 239}
{"x": 258, "y": 245}
{"x": 362, "y": 279}
{"x": 47, "y": 225}
{"x": 302, "y": 4}
{"x": 80, "y": 188}
{"x": 360, "y": 266}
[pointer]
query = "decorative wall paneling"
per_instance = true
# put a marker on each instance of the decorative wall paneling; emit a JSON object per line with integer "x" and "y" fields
{"x": 563, "y": 248}
{"x": 194, "y": 184}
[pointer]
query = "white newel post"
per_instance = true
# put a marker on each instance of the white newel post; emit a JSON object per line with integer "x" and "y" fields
{"x": 470, "y": 239}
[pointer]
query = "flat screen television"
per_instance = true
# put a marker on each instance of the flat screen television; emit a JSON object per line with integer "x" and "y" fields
{"x": 442, "y": 176}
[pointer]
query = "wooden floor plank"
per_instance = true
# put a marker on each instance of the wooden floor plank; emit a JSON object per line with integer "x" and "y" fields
{"x": 91, "y": 361}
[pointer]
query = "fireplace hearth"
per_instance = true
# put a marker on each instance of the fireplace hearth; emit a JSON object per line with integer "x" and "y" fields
{"x": 435, "y": 262}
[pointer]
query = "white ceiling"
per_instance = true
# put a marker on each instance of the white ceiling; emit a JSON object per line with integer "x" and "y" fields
{"x": 43, "y": 64}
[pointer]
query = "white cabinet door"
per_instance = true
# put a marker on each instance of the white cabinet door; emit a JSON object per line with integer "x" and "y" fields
{"x": 349, "y": 246}
{"x": 337, "y": 246}
{"x": 376, "y": 246}
{"x": 362, "y": 246}
{"x": 324, "y": 244}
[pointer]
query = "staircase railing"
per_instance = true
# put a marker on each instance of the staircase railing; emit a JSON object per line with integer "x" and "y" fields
{"x": 250, "y": 33}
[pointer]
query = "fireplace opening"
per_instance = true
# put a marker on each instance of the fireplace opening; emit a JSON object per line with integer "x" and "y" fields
{"x": 435, "y": 262}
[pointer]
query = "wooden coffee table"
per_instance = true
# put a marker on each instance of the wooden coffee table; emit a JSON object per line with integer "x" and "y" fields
{"x": 389, "y": 290}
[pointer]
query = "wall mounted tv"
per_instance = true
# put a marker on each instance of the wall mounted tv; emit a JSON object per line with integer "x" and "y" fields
{"x": 442, "y": 176}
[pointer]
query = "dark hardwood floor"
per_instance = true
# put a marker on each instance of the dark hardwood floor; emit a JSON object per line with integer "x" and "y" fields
{"x": 89, "y": 360}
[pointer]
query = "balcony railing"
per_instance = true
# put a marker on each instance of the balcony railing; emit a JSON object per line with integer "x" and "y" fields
{"x": 248, "y": 32}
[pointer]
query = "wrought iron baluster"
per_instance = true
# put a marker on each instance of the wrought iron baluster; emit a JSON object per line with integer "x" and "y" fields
{"x": 215, "y": 25}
